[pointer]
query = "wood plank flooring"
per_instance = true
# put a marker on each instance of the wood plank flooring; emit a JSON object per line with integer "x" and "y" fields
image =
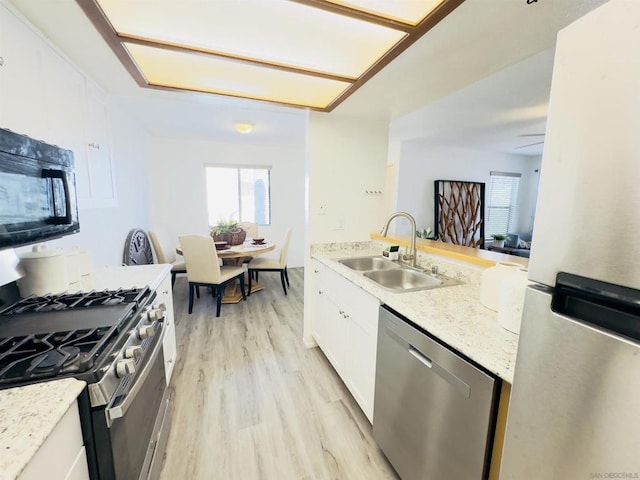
{"x": 251, "y": 402}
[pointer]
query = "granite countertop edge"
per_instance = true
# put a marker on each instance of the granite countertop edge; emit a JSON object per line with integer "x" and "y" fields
{"x": 453, "y": 314}
{"x": 28, "y": 415}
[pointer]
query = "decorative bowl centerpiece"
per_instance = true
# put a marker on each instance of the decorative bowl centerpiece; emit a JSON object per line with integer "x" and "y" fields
{"x": 258, "y": 241}
{"x": 228, "y": 231}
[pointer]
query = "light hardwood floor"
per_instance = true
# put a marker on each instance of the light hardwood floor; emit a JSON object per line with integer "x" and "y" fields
{"x": 251, "y": 402}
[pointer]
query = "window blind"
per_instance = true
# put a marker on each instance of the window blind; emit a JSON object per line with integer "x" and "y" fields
{"x": 240, "y": 193}
{"x": 501, "y": 203}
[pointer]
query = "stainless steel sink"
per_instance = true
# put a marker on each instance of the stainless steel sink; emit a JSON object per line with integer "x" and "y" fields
{"x": 408, "y": 280}
{"x": 364, "y": 264}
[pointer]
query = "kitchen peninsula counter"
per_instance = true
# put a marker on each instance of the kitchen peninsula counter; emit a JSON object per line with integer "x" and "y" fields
{"x": 453, "y": 314}
{"x": 28, "y": 415}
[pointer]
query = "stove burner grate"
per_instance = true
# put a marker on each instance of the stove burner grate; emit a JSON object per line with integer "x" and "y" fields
{"x": 55, "y": 358}
{"x": 47, "y": 355}
{"x": 50, "y": 303}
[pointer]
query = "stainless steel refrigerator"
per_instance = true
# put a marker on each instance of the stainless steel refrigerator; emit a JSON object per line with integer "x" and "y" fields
{"x": 575, "y": 402}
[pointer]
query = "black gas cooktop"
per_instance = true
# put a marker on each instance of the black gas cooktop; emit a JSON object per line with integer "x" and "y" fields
{"x": 61, "y": 335}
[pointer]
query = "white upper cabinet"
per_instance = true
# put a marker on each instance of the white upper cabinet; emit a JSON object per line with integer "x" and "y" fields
{"x": 45, "y": 97}
{"x": 102, "y": 192}
{"x": 22, "y": 95}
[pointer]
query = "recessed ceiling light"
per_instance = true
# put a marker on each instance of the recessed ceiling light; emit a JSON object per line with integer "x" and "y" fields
{"x": 243, "y": 127}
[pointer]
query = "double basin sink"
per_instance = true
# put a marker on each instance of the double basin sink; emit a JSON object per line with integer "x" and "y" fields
{"x": 396, "y": 277}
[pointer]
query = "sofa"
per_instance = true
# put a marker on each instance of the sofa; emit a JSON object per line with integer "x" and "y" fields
{"x": 520, "y": 242}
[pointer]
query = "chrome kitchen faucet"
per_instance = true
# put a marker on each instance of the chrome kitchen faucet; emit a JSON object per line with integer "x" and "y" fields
{"x": 385, "y": 229}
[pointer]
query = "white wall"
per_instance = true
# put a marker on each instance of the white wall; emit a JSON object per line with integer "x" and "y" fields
{"x": 178, "y": 193}
{"x": 421, "y": 164}
{"x": 33, "y": 66}
{"x": 103, "y": 231}
{"x": 346, "y": 156}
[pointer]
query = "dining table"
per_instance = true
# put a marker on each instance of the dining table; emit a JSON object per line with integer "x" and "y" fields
{"x": 235, "y": 255}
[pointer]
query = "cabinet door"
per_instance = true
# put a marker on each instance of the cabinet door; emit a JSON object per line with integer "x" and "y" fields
{"x": 102, "y": 191}
{"x": 80, "y": 468}
{"x": 361, "y": 366}
{"x": 169, "y": 349}
{"x": 337, "y": 334}
{"x": 65, "y": 113}
{"x": 22, "y": 96}
{"x": 61, "y": 454}
{"x": 319, "y": 326}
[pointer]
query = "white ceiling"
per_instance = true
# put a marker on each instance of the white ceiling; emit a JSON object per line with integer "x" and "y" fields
{"x": 477, "y": 40}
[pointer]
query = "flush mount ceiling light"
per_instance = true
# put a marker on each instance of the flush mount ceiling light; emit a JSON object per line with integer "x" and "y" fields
{"x": 305, "y": 53}
{"x": 243, "y": 127}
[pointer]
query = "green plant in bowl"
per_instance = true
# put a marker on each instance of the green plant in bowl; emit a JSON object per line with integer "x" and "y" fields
{"x": 224, "y": 226}
{"x": 228, "y": 231}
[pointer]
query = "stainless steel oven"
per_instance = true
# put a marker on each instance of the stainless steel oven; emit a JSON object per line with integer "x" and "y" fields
{"x": 112, "y": 340}
{"x": 132, "y": 428}
{"x": 37, "y": 191}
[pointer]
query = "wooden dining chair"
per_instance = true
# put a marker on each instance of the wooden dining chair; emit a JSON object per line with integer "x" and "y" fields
{"x": 204, "y": 270}
{"x": 166, "y": 253}
{"x": 268, "y": 263}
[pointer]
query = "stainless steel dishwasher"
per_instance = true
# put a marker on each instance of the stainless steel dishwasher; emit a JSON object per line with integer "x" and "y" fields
{"x": 434, "y": 411}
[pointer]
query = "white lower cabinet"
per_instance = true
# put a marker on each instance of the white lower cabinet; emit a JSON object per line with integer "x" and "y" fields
{"x": 61, "y": 456}
{"x": 169, "y": 350}
{"x": 346, "y": 329}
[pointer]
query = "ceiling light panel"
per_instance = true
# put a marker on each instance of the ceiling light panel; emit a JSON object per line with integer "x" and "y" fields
{"x": 202, "y": 73}
{"x": 411, "y": 12}
{"x": 280, "y": 32}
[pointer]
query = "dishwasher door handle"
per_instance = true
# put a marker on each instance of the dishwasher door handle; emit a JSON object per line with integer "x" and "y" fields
{"x": 460, "y": 386}
{"x": 422, "y": 358}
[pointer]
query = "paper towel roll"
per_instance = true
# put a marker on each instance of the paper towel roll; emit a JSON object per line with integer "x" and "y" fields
{"x": 73, "y": 272}
{"x": 491, "y": 283}
{"x": 512, "y": 300}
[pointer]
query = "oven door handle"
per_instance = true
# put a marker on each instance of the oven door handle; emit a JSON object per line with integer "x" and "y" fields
{"x": 118, "y": 411}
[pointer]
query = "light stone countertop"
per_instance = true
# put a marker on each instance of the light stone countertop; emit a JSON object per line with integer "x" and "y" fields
{"x": 28, "y": 415}
{"x": 129, "y": 277}
{"x": 453, "y": 314}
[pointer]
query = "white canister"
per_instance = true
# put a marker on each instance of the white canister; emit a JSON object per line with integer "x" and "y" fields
{"x": 491, "y": 283}
{"x": 84, "y": 261}
{"x": 512, "y": 300}
{"x": 73, "y": 272}
{"x": 45, "y": 271}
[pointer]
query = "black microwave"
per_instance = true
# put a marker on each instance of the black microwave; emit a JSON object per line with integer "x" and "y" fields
{"x": 37, "y": 191}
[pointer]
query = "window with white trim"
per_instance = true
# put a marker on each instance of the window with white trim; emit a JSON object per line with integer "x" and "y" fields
{"x": 239, "y": 193}
{"x": 501, "y": 203}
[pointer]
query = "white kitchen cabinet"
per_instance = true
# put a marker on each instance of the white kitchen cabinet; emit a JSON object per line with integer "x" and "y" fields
{"x": 346, "y": 329}
{"x": 165, "y": 295}
{"x": 62, "y": 455}
{"x": 329, "y": 323}
{"x": 22, "y": 95}
{"x": 101, "y": 191}
{"x": 44, "y": 96}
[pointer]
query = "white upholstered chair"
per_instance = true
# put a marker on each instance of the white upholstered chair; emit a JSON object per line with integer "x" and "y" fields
{"x": 275, "y": 263}
{"x": 204, "y": 270}
{"x": 166, "y": 253}
{"x": 250, "y": 228}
